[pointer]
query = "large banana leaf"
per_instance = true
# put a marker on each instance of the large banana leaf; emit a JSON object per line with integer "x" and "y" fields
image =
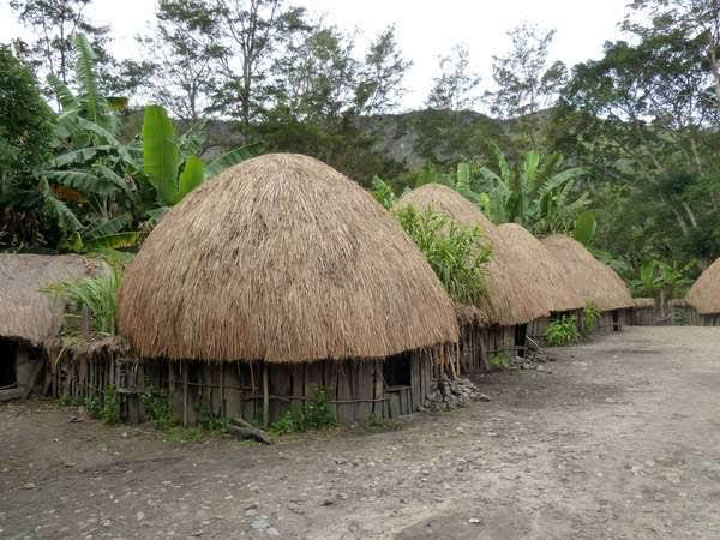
{"x": 233, "y": 157}
{"x": 68, "y": 102}
{"x": 192, "y": 176}
{"x": 585, "y": 227}
{"x": 160, "y": 153}
{"x": 86, "y": 74}
{"x": 112, "y": 226}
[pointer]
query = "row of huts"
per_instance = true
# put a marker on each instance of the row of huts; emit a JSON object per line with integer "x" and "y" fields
{"x": 280, "y": 277}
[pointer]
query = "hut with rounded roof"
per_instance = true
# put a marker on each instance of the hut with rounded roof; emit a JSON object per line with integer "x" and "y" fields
{"x": 31, "y": 320}
{"x": 704, "y": 297}
{"x": 279, "y": 277}
{"x": 498, "y": 325}
{"x": 538, "y": 266}
{"x": 592, "y": 280}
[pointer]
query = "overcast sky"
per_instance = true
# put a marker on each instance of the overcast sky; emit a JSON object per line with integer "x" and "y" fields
{"x": 424, "y": 29}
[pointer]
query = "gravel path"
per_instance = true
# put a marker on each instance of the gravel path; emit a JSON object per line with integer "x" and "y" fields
{"x": 621, "y": 440}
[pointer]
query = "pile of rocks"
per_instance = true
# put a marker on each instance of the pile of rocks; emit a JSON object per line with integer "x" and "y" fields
{"x": 449, "y": 394}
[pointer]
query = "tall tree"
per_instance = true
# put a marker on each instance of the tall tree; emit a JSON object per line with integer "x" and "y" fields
{"x": 55, "y": 24}
{"x": 189, "y": 33}
{"x": 382, "y": 74}
{"x": 455, "y": 88}
{"x": 526, "y": 81}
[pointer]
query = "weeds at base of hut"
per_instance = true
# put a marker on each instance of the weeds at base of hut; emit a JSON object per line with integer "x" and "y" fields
{"x": 562, "y": 332}
{"x": 500, "y": 360}
{"x": 315, "y": 415}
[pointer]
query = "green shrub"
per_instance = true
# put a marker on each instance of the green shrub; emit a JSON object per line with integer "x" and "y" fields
{"x": 562, "y": 332}
{"x": 157, "y": 408}
{"x": 592, "y": 316}
{"x": 315, "y": 414}
{"x": 456, "y": 253}
{"x": 105, "y": 407}
{"x": 500, "y": 360}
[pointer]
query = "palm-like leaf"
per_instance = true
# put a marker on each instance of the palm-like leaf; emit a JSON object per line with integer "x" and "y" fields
{"x": 160, "y": 153}
{"x": 192, "y": 176}
{"x": 86, "y": 75}
{"x": 233, "y": 157}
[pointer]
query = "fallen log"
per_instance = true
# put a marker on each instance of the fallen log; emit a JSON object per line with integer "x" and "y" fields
{"x": 242, "y": 429}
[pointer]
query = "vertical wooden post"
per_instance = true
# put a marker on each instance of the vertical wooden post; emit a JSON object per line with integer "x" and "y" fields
{"x": 266, "y": 395}
{"x": 222, "y": 390}
{"x": 183, "y": 366}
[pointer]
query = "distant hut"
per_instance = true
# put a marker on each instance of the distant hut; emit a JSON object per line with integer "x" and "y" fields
{"x": 275, "y": 278}
{"x": 499, "y": 323}
{"x": 539, "y": 267}
{"x": 592, "y": 280}
{"x": 643, "y": 313}
{"x": 30, "y": 320}
{"x": 705, "y": 296}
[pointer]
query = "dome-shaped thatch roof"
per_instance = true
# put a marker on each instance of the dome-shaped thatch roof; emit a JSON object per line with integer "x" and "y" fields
{"x": 281, "y": 258}
{"x": 510, "y": 299}
{"x": 27, "y": 313}
{"x": 644, "y": 302}
{"x": 540, "y": 268}
{"x": 705, "y": 293}
{"x": 591, "y": 279}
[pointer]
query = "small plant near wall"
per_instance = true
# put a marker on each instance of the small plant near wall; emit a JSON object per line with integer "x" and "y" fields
{"x": 315, "y": 415}
{"x": 500, "y": 360}
{"x": 592, "y": 316}
{"x": 562, "y": 332}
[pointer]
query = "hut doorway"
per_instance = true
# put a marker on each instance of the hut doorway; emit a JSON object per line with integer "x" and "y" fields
{"x": 8, "y": 363}
{"x": 396, "y": 370}
{"x": 521, "y": 332}
{"x": 616, "y": 320}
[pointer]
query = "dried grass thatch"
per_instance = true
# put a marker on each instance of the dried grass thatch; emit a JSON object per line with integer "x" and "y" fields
{"x": 705, "y": 293}
{"x": 591, "y": 279}
{"x": 27, "y": 313}
{"x": 644, "y": 302}
{"x": 281, "y": 258}
{"x": 539, "y": 268}
{"x": 511, "y": 299}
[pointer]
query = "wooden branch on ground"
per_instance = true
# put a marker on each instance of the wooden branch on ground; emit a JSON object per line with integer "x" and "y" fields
{"x": 242, "y": 429}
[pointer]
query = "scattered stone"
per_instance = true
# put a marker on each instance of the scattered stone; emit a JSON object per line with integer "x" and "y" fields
{"x": 260, "y": 523}
{"x": 474, "y": 520}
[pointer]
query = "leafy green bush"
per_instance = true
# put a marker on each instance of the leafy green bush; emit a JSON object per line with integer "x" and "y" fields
{"x": 562, "y": 332}
{"x": 592, "y": 316}
{"x": 105, "y": 407}
{"x": 316, "y": 414}
{"x": 157, "y": 408}
{"x": 456, "y": 253}
{"x": 500, "y": 360}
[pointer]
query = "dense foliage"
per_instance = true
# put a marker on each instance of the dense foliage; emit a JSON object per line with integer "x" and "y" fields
{"x": 620, "y": 151}
{"x": 456, "y": 253}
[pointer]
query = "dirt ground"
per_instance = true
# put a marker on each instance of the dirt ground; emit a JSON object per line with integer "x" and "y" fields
{"x": 621, "y": 440}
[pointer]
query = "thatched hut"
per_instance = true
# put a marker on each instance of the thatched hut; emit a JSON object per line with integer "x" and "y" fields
{"x": 540, "y": 268}
{"x": 705, "y": 296}
{"x": 497, "y": 325}
{"x": 643, "y": 313}
{"x": 275, "y": 278}
{"x": 592, "y": 280}
{"x": 31, "y": 320}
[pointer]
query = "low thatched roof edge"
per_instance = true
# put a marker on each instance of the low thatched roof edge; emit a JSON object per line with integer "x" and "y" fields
{"x": 705, "y": 293}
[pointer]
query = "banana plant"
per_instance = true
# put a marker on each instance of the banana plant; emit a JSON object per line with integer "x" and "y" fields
{"x": 89, "y": 186}
{"x": 172, "y": 164}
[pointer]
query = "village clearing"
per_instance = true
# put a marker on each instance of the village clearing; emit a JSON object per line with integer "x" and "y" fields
{"x": 619, "y": 438}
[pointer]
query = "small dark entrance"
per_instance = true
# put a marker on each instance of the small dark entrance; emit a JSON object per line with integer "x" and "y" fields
{"x": 8, "y": 363}
{"x": 521, "y": 331}
{"x": 616, "y": 320}
{"x": 396, "y": 370}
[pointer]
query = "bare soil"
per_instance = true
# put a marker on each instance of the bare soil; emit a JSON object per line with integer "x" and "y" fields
{"x": 621, "y": 440}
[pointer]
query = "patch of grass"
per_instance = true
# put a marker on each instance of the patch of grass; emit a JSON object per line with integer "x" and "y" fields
{"x": 157, "y": 408}
{"x": 103, "y": 408}
{"x": 182, "y": 434}
{"x": 377, "y": 423}
{"x": 592, "y": 316}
